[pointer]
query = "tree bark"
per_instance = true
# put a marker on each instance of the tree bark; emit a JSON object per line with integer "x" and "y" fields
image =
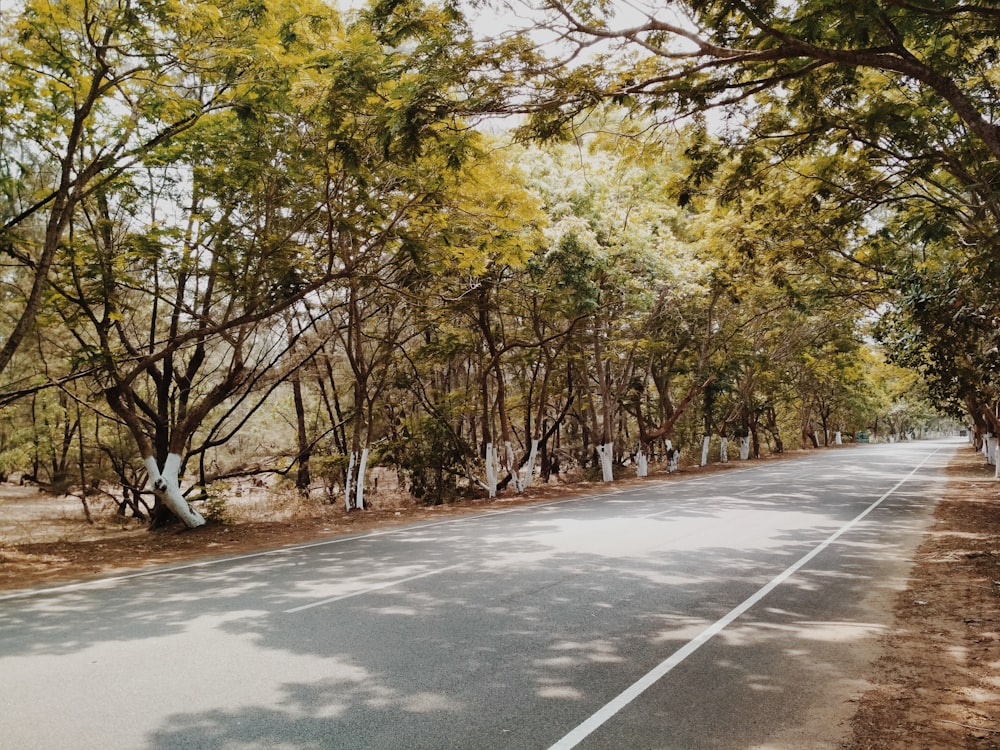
{"x": 606, "y": 454}
{"x": 745, "y": 448}
{"x": 491, "y": 470}
{"x": 303, "y": 478}
{"x": 165, "y": 482}
{"x": 529, "y": 468}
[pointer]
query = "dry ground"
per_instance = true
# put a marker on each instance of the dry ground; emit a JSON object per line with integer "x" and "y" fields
{"x": 936, "y": 686}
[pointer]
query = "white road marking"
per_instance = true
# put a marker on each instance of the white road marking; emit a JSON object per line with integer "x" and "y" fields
{"x": 370, "y": 589}
{"x": 623, "y": 699}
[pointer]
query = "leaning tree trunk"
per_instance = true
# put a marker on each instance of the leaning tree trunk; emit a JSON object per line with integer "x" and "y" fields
{"x": 509, "y": 465}
{"x": 529, "y": 467}
{"x": 165, "y": 481}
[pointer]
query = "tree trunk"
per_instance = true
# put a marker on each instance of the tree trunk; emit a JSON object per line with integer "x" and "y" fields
{"x": 510, "y": 466}
{"x": 491, "y": 470}
{"x": 606, "y": 454}
{"x": 166, "y": 487}
{"x": 303, "y": 478}
{"x": 529, "y": 469}
{"x": 360, "y": 478}
{"x": 349, "y": 481}
{"x": 745, "y": 448}
{"x": 354, "y": 487}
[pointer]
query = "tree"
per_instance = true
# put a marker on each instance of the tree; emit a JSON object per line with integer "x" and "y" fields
{"x": 719, "y": 54}
{"x": 88, "y": 91}
{"x": 186, "y": 315}
{"x": 488, "y": 226}
{"x": 892, "y": 105}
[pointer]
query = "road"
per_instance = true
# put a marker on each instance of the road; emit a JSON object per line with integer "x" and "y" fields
{"x": 732, "y": 609}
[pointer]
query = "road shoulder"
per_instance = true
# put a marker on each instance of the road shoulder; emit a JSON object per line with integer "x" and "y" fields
{"x": 937, "y": 682}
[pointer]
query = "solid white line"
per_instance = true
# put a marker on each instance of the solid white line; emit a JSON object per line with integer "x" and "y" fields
{"x": 577, "y": 735}
{"x": 369, "y": 589}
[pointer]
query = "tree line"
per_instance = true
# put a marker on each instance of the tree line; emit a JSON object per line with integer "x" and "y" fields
{"x": 244, "y": 238}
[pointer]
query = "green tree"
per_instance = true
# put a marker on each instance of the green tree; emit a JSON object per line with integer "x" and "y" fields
{"x": 87, "y": 92}
{"x": 720, "y": 54}
{"x": 275, "y": 204}
{"x": 888, "y": 109}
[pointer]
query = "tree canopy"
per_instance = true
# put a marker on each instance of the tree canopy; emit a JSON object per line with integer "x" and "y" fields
{"x": 239, "y": 239}
{"x": 884, "y": 114}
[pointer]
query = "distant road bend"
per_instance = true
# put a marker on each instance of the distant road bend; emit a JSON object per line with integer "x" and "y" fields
{"x": 733, "y": 609}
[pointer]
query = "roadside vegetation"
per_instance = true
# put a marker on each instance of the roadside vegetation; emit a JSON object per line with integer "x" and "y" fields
{"x": 252, "y": 245}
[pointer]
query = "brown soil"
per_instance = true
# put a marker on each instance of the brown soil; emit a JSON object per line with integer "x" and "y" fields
{"x": 936, "y": 686}
{"x": 45, "y": 540}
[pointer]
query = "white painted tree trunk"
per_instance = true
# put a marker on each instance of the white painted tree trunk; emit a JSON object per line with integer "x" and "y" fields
{"x": 529, "y": 469}
{"x": 166, "y": 485}
{"x": 359, "y": 494}
{"x": 641, "y": 464}
{"x": 511, "y": 467}
{"x": 673, "y": 457}
{"x": 491, "y": 470}
{"x": 606, "y": 454}
{"x": 744, "y": 448}
{"x": 838, "y": 438}
{"x": 704, "y": 450}
{"x": 724, "y": 450}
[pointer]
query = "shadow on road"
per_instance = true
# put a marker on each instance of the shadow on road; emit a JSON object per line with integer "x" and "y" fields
{"x": 500, "y": 630}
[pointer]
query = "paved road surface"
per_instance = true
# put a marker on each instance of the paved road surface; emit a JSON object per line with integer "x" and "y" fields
{"x": 735, "y": 609}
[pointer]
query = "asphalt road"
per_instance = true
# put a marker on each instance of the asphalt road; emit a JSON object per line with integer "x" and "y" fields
{"x": 734, "y": 609}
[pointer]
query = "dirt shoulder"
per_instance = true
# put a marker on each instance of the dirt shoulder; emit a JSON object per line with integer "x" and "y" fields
{"x": 64, "y": 550}
{"x": 936, "y": 685}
